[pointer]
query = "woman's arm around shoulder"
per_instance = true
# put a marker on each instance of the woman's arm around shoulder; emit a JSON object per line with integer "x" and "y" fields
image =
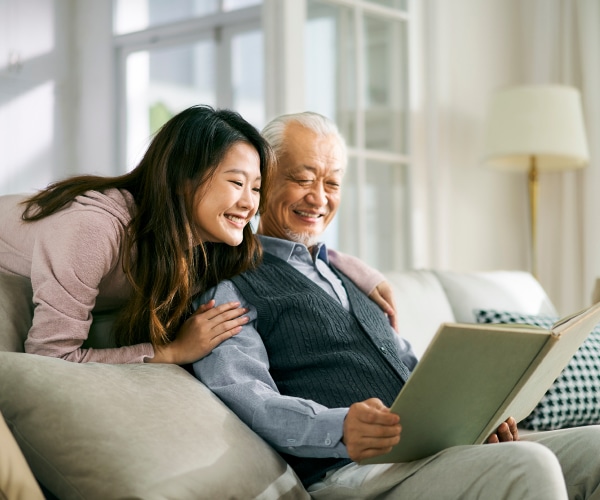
{"x": 369, "y": 280}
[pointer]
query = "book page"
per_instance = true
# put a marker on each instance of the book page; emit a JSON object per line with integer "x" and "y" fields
{"x": 582, "y": 315}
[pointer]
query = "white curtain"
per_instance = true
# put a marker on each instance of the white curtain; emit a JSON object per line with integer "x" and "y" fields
{"x": 562, "y": 42}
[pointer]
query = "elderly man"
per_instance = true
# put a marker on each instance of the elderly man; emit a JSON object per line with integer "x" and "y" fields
{"x": 316, "y": 367}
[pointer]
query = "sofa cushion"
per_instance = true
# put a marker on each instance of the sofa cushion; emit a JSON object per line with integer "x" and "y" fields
{"x": 515, "y": 291}
{"x": 133, "y": 431}
{"x": 16, "y": 311}
{"x": 421, "y": 306}
{"x": 16, "y": 314}
{"x": 574, "y": 397}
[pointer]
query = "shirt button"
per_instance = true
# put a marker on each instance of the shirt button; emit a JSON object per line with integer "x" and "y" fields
{"x": 336, "y": 455}
{"x": 328, "y": 441}
{"x": 383, "y": 349}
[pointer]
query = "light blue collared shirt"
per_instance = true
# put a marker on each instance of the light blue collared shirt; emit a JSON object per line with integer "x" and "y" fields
{"x": 238, "y": 369}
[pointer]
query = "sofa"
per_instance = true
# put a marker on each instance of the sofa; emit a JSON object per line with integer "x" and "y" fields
{"x": 145, "y": 431}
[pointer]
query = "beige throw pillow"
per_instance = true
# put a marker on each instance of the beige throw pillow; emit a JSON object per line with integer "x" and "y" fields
{"x": 134, "y": 431}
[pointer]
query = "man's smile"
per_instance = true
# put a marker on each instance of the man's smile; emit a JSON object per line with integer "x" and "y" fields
{"x": 310, "y": 215}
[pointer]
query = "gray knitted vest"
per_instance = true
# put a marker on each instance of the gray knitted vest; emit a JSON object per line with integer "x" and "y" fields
{"x": 318, "y": 350}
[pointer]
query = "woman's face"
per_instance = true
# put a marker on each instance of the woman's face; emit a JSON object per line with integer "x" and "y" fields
{"x": 228, "y": 201}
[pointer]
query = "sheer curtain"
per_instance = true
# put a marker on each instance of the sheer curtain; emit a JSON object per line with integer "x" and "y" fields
{"x": 562, "y": 41}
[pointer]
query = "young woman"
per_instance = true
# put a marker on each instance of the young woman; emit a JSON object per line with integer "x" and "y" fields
{"x": 145, "y": 243}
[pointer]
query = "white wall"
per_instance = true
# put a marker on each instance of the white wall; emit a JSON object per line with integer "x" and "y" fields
{"x": 478, "y": 217}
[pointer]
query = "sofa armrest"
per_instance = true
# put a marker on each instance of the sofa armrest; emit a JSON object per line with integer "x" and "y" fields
{"x": 16, "y": 479}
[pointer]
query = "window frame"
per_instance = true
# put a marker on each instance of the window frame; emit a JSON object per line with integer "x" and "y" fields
{"x": 402, "y": 241}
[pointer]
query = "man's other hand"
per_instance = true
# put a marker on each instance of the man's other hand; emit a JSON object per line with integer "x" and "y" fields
{"x": 507, "y": 431}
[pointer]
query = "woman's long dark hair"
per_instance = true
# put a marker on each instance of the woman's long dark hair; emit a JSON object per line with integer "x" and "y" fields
{"x": 160, "y": 259}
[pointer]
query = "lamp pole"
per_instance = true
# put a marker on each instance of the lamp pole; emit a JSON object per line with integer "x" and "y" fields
{"x": 533, "y": 199}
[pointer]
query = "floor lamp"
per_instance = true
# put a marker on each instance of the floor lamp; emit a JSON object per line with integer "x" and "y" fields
{"x": 532, "y": 129}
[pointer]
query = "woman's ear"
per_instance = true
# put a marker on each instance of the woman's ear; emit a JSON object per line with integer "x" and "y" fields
{"x": 187, "y": 189}
{"x": 191, "y": 190}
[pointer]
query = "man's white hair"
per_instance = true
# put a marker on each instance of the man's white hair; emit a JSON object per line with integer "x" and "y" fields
{"x": 274, "y": 131}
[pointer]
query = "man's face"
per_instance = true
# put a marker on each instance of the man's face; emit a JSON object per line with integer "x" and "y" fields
{"x": 307, "y": 187}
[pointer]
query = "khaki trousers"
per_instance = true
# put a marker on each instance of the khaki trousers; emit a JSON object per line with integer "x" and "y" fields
{"x": 545, "y": 465}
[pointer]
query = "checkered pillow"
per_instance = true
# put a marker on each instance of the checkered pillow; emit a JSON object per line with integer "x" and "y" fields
{"x": 574, "y": 397}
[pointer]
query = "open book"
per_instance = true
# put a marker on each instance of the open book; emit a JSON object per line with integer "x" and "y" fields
{"x": 472, "y": 377}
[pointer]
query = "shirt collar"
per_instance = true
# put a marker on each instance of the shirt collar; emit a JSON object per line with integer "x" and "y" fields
{"x": 285, "y": 248}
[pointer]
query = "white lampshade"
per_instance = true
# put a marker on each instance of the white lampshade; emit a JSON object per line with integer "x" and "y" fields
{"x": 545, "y": 121}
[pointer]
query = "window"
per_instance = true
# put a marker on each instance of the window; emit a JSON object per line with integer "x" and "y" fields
{"x": 356, "y": 72}
{"x": 347, "y": 59}
{"x": 177, "y": 54}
